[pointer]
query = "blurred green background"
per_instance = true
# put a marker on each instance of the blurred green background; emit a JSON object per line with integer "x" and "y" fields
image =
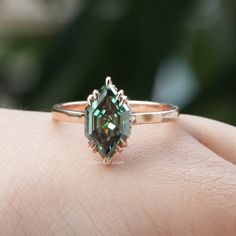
{"x": 182, "y": 52}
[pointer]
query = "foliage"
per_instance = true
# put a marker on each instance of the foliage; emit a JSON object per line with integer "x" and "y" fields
{"x": 128, "y": 40}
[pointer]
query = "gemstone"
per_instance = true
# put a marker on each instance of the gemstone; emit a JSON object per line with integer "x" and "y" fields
{"x": 107, "y": 121}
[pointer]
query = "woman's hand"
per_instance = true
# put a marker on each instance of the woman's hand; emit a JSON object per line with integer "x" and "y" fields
{"x": 173, "y": 179}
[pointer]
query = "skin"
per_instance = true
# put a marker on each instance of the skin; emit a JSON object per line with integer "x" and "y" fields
{"x": 173, "y": 179}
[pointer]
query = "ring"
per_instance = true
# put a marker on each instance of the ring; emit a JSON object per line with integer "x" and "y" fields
{"x": 108, "y": 117}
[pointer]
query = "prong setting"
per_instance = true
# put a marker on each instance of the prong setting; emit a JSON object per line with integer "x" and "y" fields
{"x": 108, "y": 81}
{"x": 119, "y": 148}
{"x": 107, "y": 115}
{"x": 90, "y": 99}
{"x": 107, "y": 161}
{"x": 92, "y": 146}
{"x": 121, "y": 97}
{"x": 123, "y": 100}
{"x": 123, "y": 143}
{"x": 96, "y": 94}
{"x": 120, "y": 94}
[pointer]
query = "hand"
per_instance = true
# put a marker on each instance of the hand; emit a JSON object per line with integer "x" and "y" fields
{"x": 173, "y": 179}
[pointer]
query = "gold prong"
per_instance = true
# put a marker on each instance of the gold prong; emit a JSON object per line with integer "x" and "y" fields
{"x": 108, "y": 81}
{"x": 120, "y": 94}
{"x": 91, "y": 143}
{"x": 119, "y": 148}
{"x": 92, "y": 146}
{"x": 123, "y": 100}
{"x": 123, "y": 143}
{"x": 96, "y": 94}
{"x": 107, "y": 160}
{"x": 90, "y": 99}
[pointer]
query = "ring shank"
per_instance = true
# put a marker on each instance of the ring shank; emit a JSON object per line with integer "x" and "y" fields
{"x": 143, "y": 112}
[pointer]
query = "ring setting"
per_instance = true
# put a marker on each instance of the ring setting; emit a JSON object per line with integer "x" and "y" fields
{"x": 108, "y": 120}
{"x": 108, "y": 116}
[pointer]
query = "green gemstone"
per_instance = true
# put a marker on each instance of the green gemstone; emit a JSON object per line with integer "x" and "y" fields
{"x": 107, "y": 121}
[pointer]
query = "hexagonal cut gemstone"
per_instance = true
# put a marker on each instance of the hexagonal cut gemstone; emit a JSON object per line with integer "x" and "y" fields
{"x": 107, "y": 121}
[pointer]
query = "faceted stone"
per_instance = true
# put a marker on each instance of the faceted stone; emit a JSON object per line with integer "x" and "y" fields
{"x": 107, "y": 121}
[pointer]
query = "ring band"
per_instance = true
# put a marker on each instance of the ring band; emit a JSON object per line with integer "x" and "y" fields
{"x": 108, "y": 117}
{"x": 143, "y": 112}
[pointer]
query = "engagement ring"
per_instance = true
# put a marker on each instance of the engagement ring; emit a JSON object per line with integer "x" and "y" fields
{"x": 108, "y": 116}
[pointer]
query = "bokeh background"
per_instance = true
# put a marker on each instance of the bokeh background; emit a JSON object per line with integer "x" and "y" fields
{"x": 182, "y": 52}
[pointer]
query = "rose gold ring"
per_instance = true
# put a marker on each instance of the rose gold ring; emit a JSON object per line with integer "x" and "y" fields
{"x": 109, "y": 116}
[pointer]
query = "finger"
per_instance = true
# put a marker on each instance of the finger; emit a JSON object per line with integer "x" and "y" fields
{"x": 167, "y": 183}
{"x": 217, "y": 136}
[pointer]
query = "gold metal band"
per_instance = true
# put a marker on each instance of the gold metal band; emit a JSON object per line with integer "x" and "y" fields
{"x": 143, "y": 112}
